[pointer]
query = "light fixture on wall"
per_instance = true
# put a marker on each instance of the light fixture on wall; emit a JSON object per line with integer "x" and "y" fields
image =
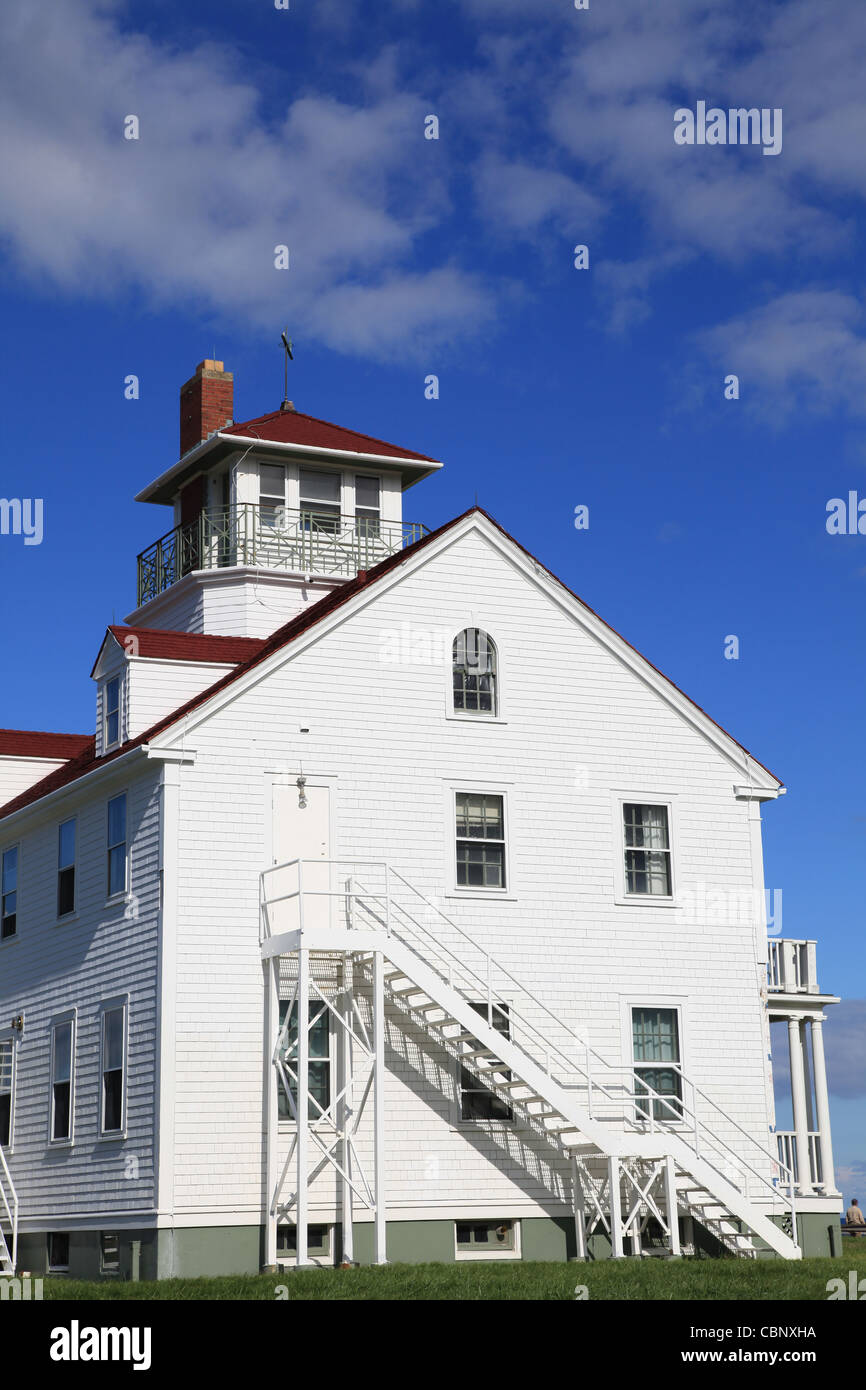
{"x": 18, "y": 1023}
{"x": 301, "y": 784}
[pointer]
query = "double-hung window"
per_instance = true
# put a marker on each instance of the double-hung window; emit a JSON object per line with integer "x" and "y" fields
{"x": 116, "y": 846}
{"x": 62, "y": 1079}
{"x": 320, "y": 495}
{"x": 66, "y": 868}
{"x": 480, "y": 840}
{"x": 647, "y": 851}
{"x": 7, "y": 1082}
{"x": 113, "y": 1065}
{"x": 111, "y": 712}
{"x": 272, "y": 495}
{"x": 319, "y": 1066}
{"x": 367, "y": 506}
{"x": 473, "y": 671}
{"x": 656, "y": 1041}
{"x": 9, "y": 894}
{"x": 477, "y": 1101}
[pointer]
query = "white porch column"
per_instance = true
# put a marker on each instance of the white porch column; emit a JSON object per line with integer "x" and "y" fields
{"x": 822, "y": 1105}
{"x": 615, "y": 1208}
{"x": 303, "y": 1102}
{"x": 380, "y": 1255}
{"x": 807, "y": 1077}
{"x": 798, "y": 1101}
{"x": 671, "y": 1205}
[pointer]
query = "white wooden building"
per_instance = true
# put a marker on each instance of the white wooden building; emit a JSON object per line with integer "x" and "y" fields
{"x": 407, "y": 788}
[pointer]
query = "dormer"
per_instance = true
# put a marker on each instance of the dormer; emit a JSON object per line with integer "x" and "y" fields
{"x": 144, "y": 674}
{"x": 268, "y": 514}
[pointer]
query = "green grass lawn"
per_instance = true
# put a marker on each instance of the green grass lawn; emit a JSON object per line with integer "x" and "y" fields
{"x": 665, "y": 1280}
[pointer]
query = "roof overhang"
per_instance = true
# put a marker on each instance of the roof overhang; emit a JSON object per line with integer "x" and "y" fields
{"x": 221, "y": 443}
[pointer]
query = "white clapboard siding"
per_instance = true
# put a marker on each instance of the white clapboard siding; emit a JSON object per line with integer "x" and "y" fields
{"x": 17, "y": 774}
{"x": 577, "y": 727}
{"x": 100, "y": 953}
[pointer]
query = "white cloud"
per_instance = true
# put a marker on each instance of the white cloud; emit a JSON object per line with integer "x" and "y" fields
{"x": 806, "y": 345}
{"x": 192, "y": 211}
{"x": 520, "y": 197}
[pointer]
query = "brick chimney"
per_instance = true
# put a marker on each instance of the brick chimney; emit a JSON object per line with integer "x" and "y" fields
{"x": 206, "y": 403}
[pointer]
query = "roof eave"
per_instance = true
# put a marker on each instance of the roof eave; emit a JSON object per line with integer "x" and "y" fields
{"x": 163, "y": 489}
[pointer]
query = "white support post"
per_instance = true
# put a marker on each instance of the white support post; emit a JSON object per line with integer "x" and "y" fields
{"x": 807, "y": 1079}
{"x": 616, "y": 1250}
{"x": 271, "y": 1086}
{"x": 822, "y": 1105}
{"x": 347, "y": 1109}
{"x": 798, "y": 1102}
{"x": 670, "y": 1178}
{"x": 579, "y": 1211}
{"x": 303, "y": 1102}
{"x": 380, "y": 1251}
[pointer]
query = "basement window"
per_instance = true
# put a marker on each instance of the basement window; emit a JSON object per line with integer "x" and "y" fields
{"x": 109, "y": 1252}
{"x": 58, "y": 1252}
{"x": 318, "y": 1242}
{"x": 487, "y": 1240}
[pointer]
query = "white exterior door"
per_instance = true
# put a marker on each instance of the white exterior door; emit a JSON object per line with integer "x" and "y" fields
{"x": 301, "y": 832}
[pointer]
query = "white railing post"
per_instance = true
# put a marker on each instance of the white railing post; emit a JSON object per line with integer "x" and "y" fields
{"x": 301, "y": 896}
{"x": 489, "y": 991}
{"x": 387, "y": 899}
{"x": 811, "y": 981}
{"x": 788, "y": 972}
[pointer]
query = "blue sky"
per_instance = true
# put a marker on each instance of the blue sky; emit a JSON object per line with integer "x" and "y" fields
{"x": 455, "y": 257}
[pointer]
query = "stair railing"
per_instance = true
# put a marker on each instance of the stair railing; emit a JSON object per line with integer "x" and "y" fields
{"x": 9, "y": 1200}
{"x": 633, "y": 1101}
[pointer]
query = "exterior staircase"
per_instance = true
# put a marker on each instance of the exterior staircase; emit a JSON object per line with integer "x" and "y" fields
{"x": 8, "y": 1219}
{"x": 653, "y": 1156}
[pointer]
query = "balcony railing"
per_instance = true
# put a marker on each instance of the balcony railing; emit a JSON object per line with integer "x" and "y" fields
{"x": 792, "y": 967}
{"x": 789, "y": 1157}
{"x": 307, "y": 542}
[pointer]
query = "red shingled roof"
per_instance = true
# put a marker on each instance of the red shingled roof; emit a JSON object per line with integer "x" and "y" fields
{"x": 32, "y": 743}
{"x": 293, "y": 427}
{"x": 86, "y": 760}
{"x": 161, "y": 643}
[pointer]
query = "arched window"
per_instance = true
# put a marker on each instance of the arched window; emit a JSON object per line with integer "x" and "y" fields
{"x": 473, "y": 661}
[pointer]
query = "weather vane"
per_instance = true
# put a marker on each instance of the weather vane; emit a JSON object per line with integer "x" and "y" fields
{"x": 290, "y": 357}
